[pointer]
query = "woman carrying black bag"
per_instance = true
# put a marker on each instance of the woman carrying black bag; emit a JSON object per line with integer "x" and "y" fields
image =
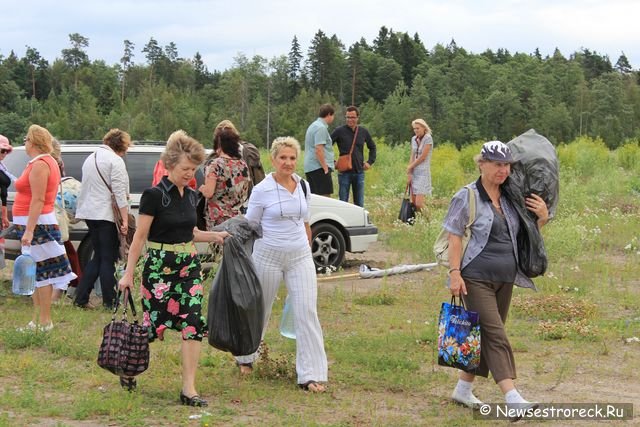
{"x": 280, "y": 204}
{"x": 484, "y": 274}
{"x": 171, "y": 288}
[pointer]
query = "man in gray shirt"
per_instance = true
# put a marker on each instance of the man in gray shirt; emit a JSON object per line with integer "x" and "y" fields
{"x": 318, "y": 152}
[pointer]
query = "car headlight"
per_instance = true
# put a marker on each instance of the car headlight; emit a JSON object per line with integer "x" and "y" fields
{"x": 367, "y": 221}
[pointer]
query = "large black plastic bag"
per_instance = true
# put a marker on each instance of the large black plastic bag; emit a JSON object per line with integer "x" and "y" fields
{"x": 236, "y": 309}
{"x": 532, "y": 256}
{"x": 536, "y": 171}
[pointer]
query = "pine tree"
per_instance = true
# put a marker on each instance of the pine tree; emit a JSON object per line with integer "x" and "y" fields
{"x": 75, "y": 57}
{"x": 33, "y": 58}
{"x": 126, "y": 62}
{"x": 295, "y": 64}
{"x": 154, "y": 54}
{"x": 622, "y": 65}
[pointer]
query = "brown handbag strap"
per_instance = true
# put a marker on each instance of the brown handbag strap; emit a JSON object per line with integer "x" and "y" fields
{"x": 418, "y": 143}
{"x": 61, "y": 195}
{"x": 353, "y": 144}
{"x": 95, "y": 159}
{"x": 118, "y": 216}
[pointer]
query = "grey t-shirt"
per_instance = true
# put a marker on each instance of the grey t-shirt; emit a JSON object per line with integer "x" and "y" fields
{"x": 496, "y": 262}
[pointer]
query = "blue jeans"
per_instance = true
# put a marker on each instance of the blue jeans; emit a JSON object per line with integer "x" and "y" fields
{"x": 104, "y": 238}
{"x": 354, "y": 180}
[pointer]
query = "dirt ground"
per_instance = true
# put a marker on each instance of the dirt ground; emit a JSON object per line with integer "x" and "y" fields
{"x": 609, "y": 376}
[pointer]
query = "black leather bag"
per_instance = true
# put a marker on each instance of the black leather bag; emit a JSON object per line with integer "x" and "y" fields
{"x": 125, "y": 346}
{"x": 407, "y": 209}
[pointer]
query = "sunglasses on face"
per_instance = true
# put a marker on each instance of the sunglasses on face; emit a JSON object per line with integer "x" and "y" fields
{"x": 3, "y": 151}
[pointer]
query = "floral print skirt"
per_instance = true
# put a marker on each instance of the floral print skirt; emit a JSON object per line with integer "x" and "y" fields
{"x": 172, "y": 294}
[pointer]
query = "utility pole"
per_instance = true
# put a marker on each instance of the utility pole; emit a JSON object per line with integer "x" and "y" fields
{"x": 268, "y": 111}
{"x": 353, "y": 85}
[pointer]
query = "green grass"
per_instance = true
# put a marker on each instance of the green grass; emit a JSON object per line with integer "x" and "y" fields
{"x": 380, "y": 335}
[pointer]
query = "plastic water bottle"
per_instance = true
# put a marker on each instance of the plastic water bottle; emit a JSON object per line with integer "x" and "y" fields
{"x": 97, "y": 287}
{"x": 24, "y": 273}
{"x": 287, "y": 326}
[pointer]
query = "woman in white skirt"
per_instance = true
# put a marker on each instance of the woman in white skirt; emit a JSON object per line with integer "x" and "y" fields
{"x": 419, "y": 168}
{"x": 281, "y": 206}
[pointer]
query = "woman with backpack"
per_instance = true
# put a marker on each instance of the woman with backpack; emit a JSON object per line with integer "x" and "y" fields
{"x": 226, "y": 185}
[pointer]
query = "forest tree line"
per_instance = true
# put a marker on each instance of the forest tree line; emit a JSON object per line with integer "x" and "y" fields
{"x": 465, "y": 97}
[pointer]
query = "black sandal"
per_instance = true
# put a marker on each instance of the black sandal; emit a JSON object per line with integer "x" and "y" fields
{"x": 128, "y": 383}
{"x": 313, "y": 386}
{"x": 194, "y": 400}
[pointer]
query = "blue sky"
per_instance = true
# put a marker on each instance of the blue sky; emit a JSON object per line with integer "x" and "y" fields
{"x": 220, "y": 30}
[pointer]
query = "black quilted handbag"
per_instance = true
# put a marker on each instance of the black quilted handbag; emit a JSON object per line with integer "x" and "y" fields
{"x": 125, "y": 346}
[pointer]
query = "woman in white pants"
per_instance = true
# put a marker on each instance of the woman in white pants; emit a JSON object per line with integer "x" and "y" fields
{"x": 280, "y": 205}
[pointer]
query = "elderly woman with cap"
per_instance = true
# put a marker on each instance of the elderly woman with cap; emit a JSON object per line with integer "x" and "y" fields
{"x": 483, "y": 275}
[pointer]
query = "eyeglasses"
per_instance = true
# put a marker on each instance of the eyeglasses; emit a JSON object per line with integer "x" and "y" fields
{"x": 3, "y": 151}
{"x": 351, "y": 117}
{"x": 292, "y": 218}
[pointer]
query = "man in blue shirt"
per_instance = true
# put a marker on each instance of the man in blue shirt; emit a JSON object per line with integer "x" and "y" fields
{"x": 318, "y": 152}
{"x": 352, "y": 138}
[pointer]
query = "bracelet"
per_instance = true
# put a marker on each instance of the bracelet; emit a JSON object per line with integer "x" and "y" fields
{"x": 453, "y": 269}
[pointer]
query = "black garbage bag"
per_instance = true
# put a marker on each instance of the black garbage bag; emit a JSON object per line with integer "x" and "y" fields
{"x": 236, "y": 309}
{"x": 532, "y": 256}
{"x": 536, "y": 171}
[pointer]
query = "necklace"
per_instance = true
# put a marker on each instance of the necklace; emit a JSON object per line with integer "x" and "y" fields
{"x": 282, "y": 215}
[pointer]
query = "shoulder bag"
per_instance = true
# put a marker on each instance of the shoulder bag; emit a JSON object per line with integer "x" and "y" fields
{"x": 124, "y": 350}
{"x": 61, "y": 217}
{"x": 441, "y": 246}
{"x": 344, "y": 161}
{"x": 125, "y": 241}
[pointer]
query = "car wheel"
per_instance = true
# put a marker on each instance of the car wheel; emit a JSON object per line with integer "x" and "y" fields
{"x": 327, "y": 246}
{"x": 85, "y": 252}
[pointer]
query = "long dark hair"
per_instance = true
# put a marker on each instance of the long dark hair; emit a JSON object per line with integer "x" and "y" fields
{"x": 229, "y": 143}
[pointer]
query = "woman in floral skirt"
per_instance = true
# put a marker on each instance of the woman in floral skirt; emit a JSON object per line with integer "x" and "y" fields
{"x": 171, "y": 288}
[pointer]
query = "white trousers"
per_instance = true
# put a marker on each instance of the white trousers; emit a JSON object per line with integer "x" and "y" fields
{"x": 297, "y": 270}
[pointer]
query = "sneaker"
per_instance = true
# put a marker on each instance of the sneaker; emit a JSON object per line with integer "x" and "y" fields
{"x": 521, "y": 409}
{"x": 468, "y": 400}
{"x": 46, "y": 328}
{"x": 31, "y": 326}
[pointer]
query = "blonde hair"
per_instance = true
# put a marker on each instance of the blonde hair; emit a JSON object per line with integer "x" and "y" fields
{"x": 284, "y": 142}
{"x": 422, "y": 124}
{"x": 225, "y": 124}
{"x": 118, "y": 140}
{"x": 40, "y": 139}
{"x": 180, "y": 144}
{"x": 56, "y": 151}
